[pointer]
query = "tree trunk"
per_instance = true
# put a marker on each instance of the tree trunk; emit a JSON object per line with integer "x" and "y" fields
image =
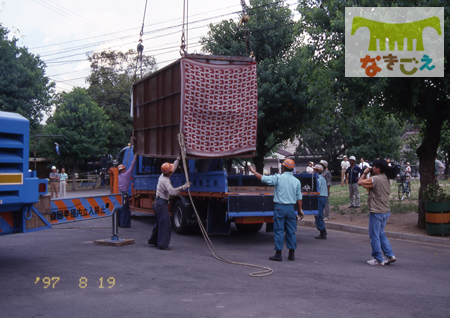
{"x": 427, "y": 153}
{"x": 259, "y": 159}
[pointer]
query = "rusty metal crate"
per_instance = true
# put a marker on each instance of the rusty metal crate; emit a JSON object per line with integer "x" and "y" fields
{"x": 157, "y": 108}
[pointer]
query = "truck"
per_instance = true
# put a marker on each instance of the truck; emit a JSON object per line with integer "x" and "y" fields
{"x": 159, "y": 106}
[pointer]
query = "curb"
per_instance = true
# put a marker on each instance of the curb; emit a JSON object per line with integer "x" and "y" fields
{"x": 365, "y": 231}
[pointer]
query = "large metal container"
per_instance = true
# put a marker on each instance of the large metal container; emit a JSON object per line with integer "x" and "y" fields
{"x": 157, "y": 108}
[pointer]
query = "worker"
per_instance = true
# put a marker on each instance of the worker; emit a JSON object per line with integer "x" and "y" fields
{"x": 287, "y": 193}
{"x": 162, "y": 229}
{"x": 54, "y": 182}
{"x": 124, "y": 184}
{"x": 309, "y": 168}
{"x": 323, "y": 197}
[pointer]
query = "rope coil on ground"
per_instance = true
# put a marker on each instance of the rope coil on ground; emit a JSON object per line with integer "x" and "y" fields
{"x": 266, "y": 270}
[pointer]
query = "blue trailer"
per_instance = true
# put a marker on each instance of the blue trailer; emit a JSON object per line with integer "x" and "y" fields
{"x": 20, "y": 189}
{"x": 220, "y": 199}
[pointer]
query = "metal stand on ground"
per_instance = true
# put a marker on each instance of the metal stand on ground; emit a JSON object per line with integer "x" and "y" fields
{"x": 115, "y": 239}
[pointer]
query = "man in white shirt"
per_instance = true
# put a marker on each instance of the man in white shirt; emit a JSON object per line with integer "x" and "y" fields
{"x": 310, "y": 168}
{"x": 344, "y": 165}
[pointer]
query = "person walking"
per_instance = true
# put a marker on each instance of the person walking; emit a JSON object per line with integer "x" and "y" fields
{"x": 352, "y": 175}
{"x": 287, "y": 193}
{"x": 162, "y": 229}
{"x": 54, "y": 182}
{"x": 63, "y": 179}
{"x": 323, "y": 198}
{"x": 378, "y": 206}
{"x": 344, "y": 166}
{"x": 326, "y": 174}
{"x": 124, "y": 183}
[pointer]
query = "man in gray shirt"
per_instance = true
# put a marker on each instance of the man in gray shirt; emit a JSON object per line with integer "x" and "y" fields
{"x": 164, "y": 190}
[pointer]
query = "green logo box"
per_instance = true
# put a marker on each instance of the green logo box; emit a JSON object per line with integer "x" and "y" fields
{"x": 394, "y": 42}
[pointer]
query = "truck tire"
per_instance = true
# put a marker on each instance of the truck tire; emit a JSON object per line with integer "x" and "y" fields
{"x": 179, "y": 211}
{"x": 248, "y": 228}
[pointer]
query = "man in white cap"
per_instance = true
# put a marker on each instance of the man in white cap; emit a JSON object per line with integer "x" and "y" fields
{"x": 323, "y": 198}
{"x": 326, "y": 174}
{"x": 352, "y": 174}
{"x": 310, "y": 168}
{"x": 344, "y": 166}
{"x": 54, "y": 182}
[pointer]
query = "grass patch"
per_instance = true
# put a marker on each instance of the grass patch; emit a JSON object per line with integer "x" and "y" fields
{"x": 339, "y": 199}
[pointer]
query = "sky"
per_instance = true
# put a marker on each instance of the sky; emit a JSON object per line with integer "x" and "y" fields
{"x": 63, "y": 32}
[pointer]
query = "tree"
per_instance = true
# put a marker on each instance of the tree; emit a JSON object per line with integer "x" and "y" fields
{"x": 369, "y": 134}
{"x": 85, "y": 126}
{"x": 110, "y": 82}
{"x": 282, "y": 107}
{"x": 24, "y": 88}
{"x": 427, "y": 99}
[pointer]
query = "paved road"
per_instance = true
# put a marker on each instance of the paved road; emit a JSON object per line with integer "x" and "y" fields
{"x": 328, "y": 279}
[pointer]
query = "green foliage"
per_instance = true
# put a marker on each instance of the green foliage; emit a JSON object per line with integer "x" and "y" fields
{"x": 24, "y": 88}
{"x": 425, "y": 99}
{"x": 85, "y": 126}
{"x": 434, "y": 193}
{"x": 112, "y": 75}
{"x": 281, "y": 71}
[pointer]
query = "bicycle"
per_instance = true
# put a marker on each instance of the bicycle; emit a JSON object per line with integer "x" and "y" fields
{"x": 404, "y": 188}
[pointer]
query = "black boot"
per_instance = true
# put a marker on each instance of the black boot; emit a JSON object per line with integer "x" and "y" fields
{"x": 277, "y": 257}
{"x": 323, "y": 235}
{"x": 291, "y": 256}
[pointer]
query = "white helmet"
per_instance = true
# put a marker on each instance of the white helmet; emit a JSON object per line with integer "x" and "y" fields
{"x": 352, "y": 158}
{"x": 324, "y": 163}
{"x": 53, "y": 168}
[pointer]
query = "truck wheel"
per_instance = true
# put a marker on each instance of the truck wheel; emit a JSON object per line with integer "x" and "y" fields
{"x": 180, "y": 218}
{"x": 248, "y": 228}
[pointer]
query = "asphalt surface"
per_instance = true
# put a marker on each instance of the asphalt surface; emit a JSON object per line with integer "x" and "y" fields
{"x": 328, "y": 278}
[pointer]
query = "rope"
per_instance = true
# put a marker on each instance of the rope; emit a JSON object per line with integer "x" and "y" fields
{"x": 266, "y": 270}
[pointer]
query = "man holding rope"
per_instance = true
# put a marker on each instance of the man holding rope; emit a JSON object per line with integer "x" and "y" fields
{"x": 287, "y": 193}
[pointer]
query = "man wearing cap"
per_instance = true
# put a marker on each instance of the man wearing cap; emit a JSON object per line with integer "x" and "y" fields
{"x": 54, "y": 182}
{"x": 344, "y": 166}
{"x": 323, "y": 197}
{"x": 352, "y": 176}
{"x": 326, "y": 174}
{"x": 310, "y": 168}
{"x": 162, "y": 229}
{"x": 124, "y": 184}
{"x": 287, "y": 193}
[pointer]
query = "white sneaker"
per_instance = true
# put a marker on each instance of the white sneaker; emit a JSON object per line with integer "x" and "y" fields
{"x": 389, "y": 260}
{"x": 325, "y": 219}
{"x": 375, "y": 262}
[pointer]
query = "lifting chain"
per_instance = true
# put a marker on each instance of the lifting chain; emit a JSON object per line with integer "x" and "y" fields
{"x": 243, "y": 22}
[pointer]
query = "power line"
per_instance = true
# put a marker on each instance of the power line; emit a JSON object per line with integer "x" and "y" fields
{"x": 58, "y": 11}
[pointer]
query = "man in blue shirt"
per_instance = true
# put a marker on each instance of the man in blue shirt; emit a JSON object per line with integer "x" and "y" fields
{"x": 287, "y": 193}
{"x": 323, "y": 198}
{"x": 352, "y": 174}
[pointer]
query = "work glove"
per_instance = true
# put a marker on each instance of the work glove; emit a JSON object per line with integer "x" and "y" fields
{"x": 185, "y": 186}
{"x": 179, "y": 157}
{"x": 300, "y": 215}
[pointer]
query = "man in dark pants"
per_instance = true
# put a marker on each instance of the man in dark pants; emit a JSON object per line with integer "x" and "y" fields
{"x": 162, "y": 229}
{"x": 323, "y": 197}
{"x": 287, "y": 192}
{"x": 124, "y": 184}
